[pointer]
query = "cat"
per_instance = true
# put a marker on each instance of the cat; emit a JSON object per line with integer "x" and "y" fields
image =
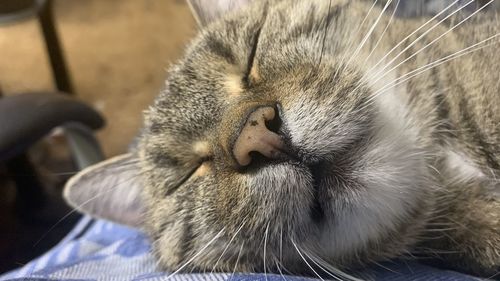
{"x": 322, "y": 131}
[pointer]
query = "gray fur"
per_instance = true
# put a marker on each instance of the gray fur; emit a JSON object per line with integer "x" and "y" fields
{"x": 375, "y": 174}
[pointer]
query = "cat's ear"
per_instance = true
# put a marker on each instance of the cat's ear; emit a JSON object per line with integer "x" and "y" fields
{"x": 206, "y": 11}
{"x": 109, "y": 190}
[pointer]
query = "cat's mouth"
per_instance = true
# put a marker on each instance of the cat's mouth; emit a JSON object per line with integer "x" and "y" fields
{"x": 317, "y": 210}
{"x": 295, "y": 158}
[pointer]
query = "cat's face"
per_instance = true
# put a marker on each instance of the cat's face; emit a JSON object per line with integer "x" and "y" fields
{"x": 342, "y": 181}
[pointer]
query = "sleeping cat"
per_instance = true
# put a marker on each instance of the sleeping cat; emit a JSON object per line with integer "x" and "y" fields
{"x": 316, "y": 134}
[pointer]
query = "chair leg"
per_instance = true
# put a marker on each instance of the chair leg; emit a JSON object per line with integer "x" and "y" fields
{"x": 54, "y": 50}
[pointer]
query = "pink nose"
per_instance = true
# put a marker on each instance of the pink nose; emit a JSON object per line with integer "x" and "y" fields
{"x": 255, "y": 136}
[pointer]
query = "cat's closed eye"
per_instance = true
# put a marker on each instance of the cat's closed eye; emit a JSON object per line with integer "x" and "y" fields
{"x": 251, "y": 74}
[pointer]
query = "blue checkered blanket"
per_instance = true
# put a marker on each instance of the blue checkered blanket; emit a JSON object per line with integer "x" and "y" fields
{"x": 101, "y": 250}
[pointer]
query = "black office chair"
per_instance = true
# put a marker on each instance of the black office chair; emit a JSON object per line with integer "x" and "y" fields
{"x": 26, "y": 118}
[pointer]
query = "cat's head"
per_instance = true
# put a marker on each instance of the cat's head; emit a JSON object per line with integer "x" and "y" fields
{"x": 266, "y": 147}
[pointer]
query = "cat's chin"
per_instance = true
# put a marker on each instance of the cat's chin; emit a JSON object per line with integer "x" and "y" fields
{"x": 362, "y": 207}
{"x": 288, "y": 189}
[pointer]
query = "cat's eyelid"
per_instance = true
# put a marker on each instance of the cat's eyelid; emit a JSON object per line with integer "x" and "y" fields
{"x": 182, "y": 180}
{"x": 189, "y": 174}
{"x": 206, "y": 159}
{"x": 251, "y": 74}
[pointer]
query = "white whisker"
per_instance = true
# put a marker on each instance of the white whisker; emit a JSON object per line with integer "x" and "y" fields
{"x": 428, "y": 45}
{"x": 411, "y": 34}
{"x": 380, "y": 71}
{"x": 440, "y": 229}
{"x": 386, "y": 268}
{"x": 300, "y": 254}
{"x": 265, "y": 246}
{"x": 329, "y": 269}
{"x": 279, "y": 270}
{"x": 196, "y": 255}
{"x": 366, "y": 17}
{"x": 385, "y": 30}
{"x": 434, "y": 64}
{"x": 493, "y": 276}
{"x": 351, "y": 42}
{"x": 227, "y": 246}
{"x": 370, "y": 31}
{"x": 237, "y": 261}
{"x": 370, "y": 70}
{"x": 281, "y": 244}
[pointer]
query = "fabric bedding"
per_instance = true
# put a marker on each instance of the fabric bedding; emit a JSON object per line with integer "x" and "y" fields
{"x": 101, "y": 250}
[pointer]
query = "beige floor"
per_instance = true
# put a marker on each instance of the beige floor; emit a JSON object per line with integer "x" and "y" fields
{"x": 117, "y": 52}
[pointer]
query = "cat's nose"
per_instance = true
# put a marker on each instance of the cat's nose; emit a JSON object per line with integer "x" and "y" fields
{"x": 258, "y": 135}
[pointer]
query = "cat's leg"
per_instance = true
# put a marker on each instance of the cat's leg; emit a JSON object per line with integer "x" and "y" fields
{"x": 464, "y": 232}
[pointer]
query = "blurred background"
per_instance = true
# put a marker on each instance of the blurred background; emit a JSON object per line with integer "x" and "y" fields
{"x": 116, "y": 54}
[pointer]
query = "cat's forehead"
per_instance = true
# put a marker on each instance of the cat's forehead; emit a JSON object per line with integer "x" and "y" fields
{"x": 284, "y": 34}
{"x": 208, "y": 79}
